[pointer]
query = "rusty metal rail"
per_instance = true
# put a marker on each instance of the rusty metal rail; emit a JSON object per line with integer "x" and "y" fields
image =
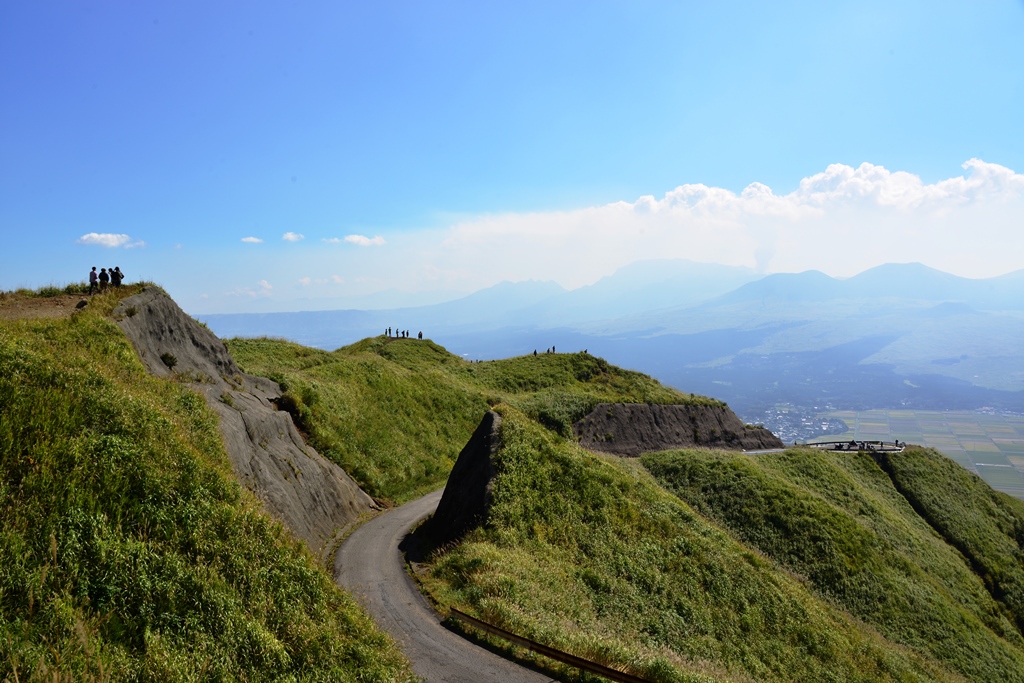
{"x": 564, "y": 657}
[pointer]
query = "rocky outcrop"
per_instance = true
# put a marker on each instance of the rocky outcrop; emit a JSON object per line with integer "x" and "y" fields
{"x": 629, "y": 429}
{"x": 467, "y": 495}
{"x": 311, "y": 496}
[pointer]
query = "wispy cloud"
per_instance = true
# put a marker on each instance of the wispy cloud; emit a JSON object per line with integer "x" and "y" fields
{"x": 363, "y": 241}
{"x": 358, "y": 240}
{"x": 252, "y": 240}
{"x": 109, "y": 240}
{"x": 262, "y": 290}
{"x": 330, "y": 280}
{"x": 293, "y": 237}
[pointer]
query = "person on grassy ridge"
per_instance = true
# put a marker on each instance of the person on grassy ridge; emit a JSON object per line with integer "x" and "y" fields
{"x": 93, "y": 280}
{"x": 104, "y": 279}
{"x": 116, "y": 276}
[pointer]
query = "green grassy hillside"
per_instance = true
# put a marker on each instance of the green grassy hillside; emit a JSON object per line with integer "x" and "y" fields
{"x": 394, "y": 413}
{"x": 588, "y": 554}
{"x": 837, "y": 519}
{"x": 128, "y": 551}
{"x": 986, "y": 526}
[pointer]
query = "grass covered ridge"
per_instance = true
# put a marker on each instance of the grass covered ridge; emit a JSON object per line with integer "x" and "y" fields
{"x": 128, "y": 551}
{"x": 837, "y": 519}
{"x": 395, "y": 413}
{"x": 590, "y": 555}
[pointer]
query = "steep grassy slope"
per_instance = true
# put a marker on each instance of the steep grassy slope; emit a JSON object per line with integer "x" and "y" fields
{"x": 394, "y": 413}
{"x": 837, "y": 520}
{"x": 127, "y": 550}
{"x": 986, "y": 526}
{"x": 590, "y": 555}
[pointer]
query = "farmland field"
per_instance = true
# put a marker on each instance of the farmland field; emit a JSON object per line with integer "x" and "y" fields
{"x": 989, "y": 444}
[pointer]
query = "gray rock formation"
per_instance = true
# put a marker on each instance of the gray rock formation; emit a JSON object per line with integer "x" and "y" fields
{"x": 314, "y": 498}
{"x": 629, "y": 429}
{"x": 467, "y": 495}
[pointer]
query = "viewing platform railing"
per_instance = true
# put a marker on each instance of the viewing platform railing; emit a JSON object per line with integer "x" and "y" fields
{"x": 855, "y": 445}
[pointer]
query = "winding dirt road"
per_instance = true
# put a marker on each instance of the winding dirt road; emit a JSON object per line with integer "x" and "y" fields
{"x": 370, "y": 565}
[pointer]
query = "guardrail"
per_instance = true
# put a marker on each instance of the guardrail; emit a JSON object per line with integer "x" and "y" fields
{"x": 564, "y": 657}
{"x": 870, "y": 446}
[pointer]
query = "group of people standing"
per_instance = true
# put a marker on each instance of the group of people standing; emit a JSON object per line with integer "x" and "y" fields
{"x": 401, "y": 334}
{"x": 106, "y": 276}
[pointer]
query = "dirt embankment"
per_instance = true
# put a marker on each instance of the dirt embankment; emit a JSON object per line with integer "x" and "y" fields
{"x": 311, "y": 496}
{"x": 630, "y": 430}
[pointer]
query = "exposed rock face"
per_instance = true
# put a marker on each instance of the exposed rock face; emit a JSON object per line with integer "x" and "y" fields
{"x": 311, "y": 496}
{"x": 467, "y": 495}
{"x": 630, "y": 430}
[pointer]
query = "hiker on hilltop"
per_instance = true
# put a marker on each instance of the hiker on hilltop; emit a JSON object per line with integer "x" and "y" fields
{"x": 94, "y": 279}
{"x": 116, "y": 276}
{"x": 104, "y": 279}
{"x": 421, "y": 334}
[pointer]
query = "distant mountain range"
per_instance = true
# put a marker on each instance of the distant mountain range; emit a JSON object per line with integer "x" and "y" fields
{"x": 899, "y": 335}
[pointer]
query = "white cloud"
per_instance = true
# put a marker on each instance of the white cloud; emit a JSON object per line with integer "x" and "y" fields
{"x": 363, "y": 241}
{"x": 358, "y": 240}
{"x": 293, "y": 237}
{"x": 263, "y": 290}
{"x": 252, "y": 240}
{"x": 329, "y": 280}
{"x": 841, "y": 221}
{"x": 109, "y": 240}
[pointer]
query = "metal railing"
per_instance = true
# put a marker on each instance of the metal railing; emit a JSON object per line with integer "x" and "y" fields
{"x": 564, "y": 657}
{"x": 854, "y": 445}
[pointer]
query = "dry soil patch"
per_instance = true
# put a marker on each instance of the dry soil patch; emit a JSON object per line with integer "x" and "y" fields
{"x": 21, "y": 307}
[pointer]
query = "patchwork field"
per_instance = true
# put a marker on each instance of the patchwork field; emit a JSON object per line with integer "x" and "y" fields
{"x": 989, "y": 444}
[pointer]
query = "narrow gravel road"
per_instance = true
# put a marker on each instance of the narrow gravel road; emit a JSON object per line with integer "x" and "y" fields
{"x": 370, "y": 565}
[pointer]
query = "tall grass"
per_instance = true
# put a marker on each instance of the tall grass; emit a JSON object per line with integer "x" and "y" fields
{"x": 128, "y": 551}
{"x": 588, "y": 554}
{"x": 394, "y": 413}
{"x": 986, "y": 526}
{"x": 837, "y": 520}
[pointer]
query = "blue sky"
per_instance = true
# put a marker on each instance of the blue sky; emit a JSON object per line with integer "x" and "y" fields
{"x": 400, "y": 152}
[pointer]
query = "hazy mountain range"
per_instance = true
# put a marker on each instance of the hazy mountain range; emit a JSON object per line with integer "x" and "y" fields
{"x": 896, "y": 335}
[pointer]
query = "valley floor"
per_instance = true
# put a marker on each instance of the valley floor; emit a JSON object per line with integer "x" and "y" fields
{"x": 989, "y": 444}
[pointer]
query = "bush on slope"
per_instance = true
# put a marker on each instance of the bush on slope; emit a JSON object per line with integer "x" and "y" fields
{"x": 836, "y": 519}
{"x": 587, "y": 554}
{"x": 127, "y": 551}
{"x": 394, "y": 413}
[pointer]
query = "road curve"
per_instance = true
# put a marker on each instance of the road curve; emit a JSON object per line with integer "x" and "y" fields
{"x": 370, "y": 565}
